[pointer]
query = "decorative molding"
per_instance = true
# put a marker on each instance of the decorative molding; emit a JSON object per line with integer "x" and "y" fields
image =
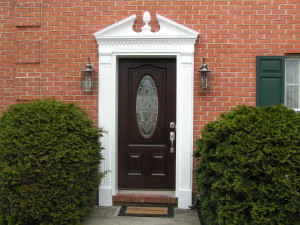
{"x": 146, "y": 42}
{"x": 172, "y": 40}
{"x": 122, "y": 32}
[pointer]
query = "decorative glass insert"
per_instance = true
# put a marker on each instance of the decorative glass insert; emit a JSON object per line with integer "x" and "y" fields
{"x": 147, "y": 106}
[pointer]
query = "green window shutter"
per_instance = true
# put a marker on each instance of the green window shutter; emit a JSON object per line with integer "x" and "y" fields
{"x": 270, "y": 72}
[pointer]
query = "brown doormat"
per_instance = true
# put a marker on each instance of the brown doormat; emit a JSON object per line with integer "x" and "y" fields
{"x": 147, "y": 211}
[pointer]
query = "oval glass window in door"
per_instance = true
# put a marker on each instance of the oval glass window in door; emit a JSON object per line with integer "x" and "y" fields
{"x": 147, "y": 106}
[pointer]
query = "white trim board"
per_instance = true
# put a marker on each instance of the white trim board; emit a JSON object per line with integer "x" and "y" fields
{"x": 173, "y": 40}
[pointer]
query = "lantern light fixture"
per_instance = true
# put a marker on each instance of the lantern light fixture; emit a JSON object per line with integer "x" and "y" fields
{"x": 87, "y": 77}
{"x": 204, "y": 76}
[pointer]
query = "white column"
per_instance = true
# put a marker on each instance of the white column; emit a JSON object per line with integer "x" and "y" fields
{"x": 107, "y": 111}
{"x": 185, "y": 91}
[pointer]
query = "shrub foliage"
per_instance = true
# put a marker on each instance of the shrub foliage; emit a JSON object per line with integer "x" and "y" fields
{"x": 249, "y": 167}
{"x": 49, "y": 159}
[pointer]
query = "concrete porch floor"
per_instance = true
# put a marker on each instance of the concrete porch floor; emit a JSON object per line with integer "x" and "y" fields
{"x": 109, "y": 216}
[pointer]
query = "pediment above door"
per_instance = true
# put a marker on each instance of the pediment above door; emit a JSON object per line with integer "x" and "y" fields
{"x": 122, "y": 31}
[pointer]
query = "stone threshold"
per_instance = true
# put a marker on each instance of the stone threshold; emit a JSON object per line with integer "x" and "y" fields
{"x": 132, "y": 197}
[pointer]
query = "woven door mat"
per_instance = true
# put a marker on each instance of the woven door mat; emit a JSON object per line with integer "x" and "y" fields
{"x": 147, "y": 211}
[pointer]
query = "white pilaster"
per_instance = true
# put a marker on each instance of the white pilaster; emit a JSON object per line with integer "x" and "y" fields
{"x": 107, "y": 122}
{"x": 185, "y": 93}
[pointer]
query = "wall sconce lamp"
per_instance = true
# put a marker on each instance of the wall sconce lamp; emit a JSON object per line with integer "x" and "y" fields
{"x": 204, "y": 76}
{"x": 87, "y": 77}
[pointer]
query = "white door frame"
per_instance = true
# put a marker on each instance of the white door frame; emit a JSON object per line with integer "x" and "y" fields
{"x": 173, "y": 40}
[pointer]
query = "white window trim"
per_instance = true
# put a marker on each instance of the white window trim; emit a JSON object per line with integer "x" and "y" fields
{"x": 289, "y": 58}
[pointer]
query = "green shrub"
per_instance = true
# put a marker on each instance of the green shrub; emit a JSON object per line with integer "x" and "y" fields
{"x": 49, "y": 159}
{"x": 249, "y": 167}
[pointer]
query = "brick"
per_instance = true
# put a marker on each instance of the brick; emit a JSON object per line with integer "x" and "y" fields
{"x": 28, "y": 14}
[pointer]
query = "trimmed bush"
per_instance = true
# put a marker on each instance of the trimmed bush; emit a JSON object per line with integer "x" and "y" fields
{"x": 49, "y": 159}
{"x": 249, "y": 167}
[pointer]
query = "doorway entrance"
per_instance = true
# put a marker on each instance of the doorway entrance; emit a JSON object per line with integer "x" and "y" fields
{"x": 146, "y": 123}
{"x": 173, "y": 40}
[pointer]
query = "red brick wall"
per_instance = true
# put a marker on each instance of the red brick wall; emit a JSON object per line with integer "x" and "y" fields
{"x": 44, "y": 46}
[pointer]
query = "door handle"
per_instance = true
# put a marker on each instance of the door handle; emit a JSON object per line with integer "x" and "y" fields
{"x": 172, "y": 139}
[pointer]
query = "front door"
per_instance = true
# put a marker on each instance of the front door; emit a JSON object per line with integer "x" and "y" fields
{"x": 146, "y": 120}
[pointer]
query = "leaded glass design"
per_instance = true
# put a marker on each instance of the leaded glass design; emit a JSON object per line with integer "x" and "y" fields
{"x": 147, "y": 106}
{"x": 292, "y": 84}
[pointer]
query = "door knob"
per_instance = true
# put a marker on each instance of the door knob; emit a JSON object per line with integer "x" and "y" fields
{"x": 172, "y": 139}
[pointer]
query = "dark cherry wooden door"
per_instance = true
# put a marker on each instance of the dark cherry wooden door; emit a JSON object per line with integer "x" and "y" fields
{"x": 147, "y": 106}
